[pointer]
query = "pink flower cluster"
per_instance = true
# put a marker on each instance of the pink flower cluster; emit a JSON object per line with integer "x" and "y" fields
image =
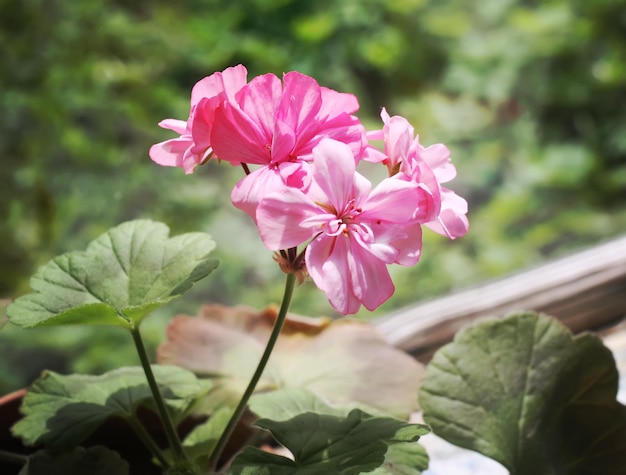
{"x": 306, "y": 143}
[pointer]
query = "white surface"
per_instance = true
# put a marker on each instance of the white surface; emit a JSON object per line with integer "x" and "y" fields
{"x": 448, "y": 459}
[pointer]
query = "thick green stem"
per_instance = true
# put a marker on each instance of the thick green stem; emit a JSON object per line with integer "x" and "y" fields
{"x": 170, "y": 430}
{"x": 280, "y": 319}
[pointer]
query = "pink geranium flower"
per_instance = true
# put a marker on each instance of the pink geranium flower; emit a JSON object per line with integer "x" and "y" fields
{"x": 276, "y": 125}
{"x": 430, "y": 166}
{"x": 452, "y": 220}
{"x": 193, "y": 147}
{"x": 354, "y": 231}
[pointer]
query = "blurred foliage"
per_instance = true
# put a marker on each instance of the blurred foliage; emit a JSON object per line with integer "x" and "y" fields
{"x": 528, "y": 95}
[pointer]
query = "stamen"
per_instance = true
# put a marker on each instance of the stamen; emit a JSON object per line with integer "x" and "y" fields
{"x": 341, "y": 228}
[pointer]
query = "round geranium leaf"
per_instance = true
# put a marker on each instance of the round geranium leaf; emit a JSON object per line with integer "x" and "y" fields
{"x": 123, "y": 275}
{"x": 61, "y": 411}
{"x": 403, "y": 455}
{"x": 526, "y": 392}
{"x": 339, "y": 441}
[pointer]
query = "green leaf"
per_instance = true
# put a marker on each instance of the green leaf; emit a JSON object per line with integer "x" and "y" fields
{"x": 61, "y": 411}
{"x": 253, "y": 461}
{"x": 404, "y": 458}
{"x": 200, "y": 442}
{"x": 525, "y": 392}
{"x": 123, "y": 275}
{"x": 93, "y": 461}
{"x": 336, "y": 443}
{"x": 287, "y": 403}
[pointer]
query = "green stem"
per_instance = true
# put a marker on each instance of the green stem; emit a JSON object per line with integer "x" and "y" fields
{"x": 170, "y": 430}
{"x": 149, "y": 442}
{"x": 280, "y": 319}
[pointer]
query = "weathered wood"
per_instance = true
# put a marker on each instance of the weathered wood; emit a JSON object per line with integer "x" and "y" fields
{"x": 586, "y": 290}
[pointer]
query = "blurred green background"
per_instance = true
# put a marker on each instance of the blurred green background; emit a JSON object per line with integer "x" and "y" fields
{"x": 528, "y": 95}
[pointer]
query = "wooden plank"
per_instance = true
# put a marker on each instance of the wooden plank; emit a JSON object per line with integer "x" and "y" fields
{"x": 586, "y": 290}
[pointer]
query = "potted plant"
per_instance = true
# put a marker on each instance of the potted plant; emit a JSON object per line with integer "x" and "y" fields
{"x": 242, "y": 391}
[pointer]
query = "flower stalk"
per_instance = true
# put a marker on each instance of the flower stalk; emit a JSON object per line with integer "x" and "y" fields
{"x": 278, "y": 325}
{"x": 149, "y": 442}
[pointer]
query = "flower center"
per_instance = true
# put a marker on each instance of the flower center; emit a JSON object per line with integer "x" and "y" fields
{"x": 350, "y": 211}
{"x": 344, "y": 218}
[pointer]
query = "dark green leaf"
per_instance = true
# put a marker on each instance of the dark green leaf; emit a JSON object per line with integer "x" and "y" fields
{"x": 78, "y": 461}
{"x": 123, "y": 275}
{"x": 525, "y": 392}
{"x": 335, "y": 443}
{"x": 61, "y": 411}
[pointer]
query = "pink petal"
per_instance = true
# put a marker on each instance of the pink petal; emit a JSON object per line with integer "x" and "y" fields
{"x": 409, "y": 246}
{"x": 279, "y": 215}
{"x": 451, "y": 221}
{"x": 378, "y": 241}
{"x": 347, "y": 129}
{"x": 375, "y": 135}
{"x": 178, "y": 126}
{"x": 373, "y": 155}
{"x": 300, "y": 102}
{"x": 228, "y": 82}
{"x": 428, "y": 204}
{"x": 393, "y": 201}
{"x": 259, "y": 99}
{"x": 201, "y": 119}
{"x": 449, "y": 224}
{"x": 237, "y": 139}
{"x": 333, "y": 171}
{"x": 191, "y": 160}
{"x": 384, "y": 115}
{"x": 438, "y": 159}
{"x": 283, "y": 142}
{"x": 326, "y": 259}
{"x": 170, "y": 152}
{"x": 253, "y": 187}
{"x": 371, "y": 282}
{"x": 295, "y": 174}
{"x": 418, "y": 171}
{"x": 335, "y": 103}
{"x": 234, "y": 78}
{"x": 450, "y": 200}
{"x": 398, "y": 139}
